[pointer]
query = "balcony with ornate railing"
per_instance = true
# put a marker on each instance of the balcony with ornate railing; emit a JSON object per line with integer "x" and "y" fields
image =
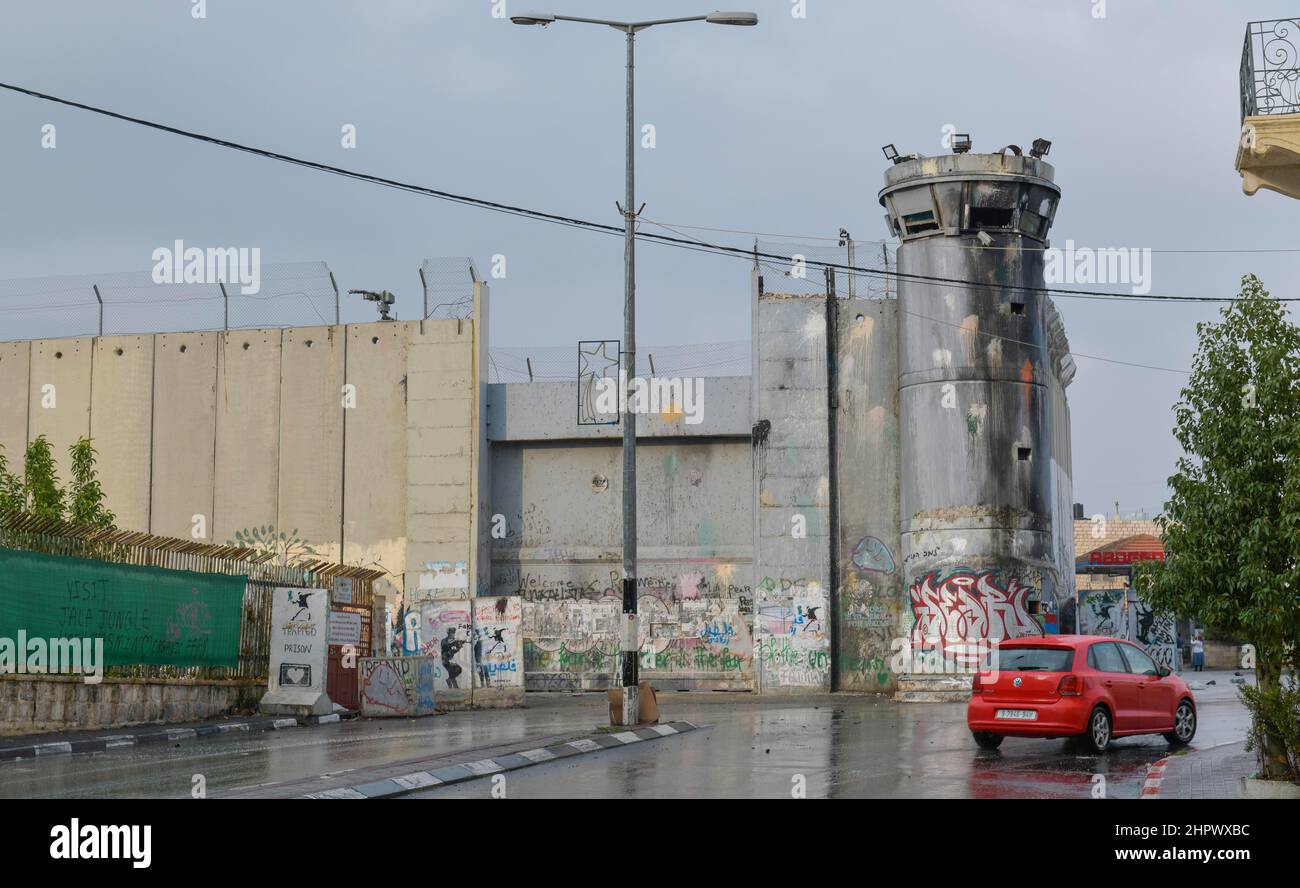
{"x": 1268, "y": 152}
{"x": 1270, "y": 68}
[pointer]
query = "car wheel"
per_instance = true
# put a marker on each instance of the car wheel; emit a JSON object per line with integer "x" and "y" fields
{"x": 1097, "y": 736}
{"x": 1184, "y": 725}
{"x": 985, "y": 740}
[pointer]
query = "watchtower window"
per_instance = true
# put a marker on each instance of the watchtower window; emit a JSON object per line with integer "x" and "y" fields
{"x": 915, "y": 223}
{"x": 1033, "y": 224}
{"x": 990, "y": 217}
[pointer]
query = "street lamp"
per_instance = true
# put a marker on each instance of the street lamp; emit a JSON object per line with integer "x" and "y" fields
{"x": 629, "y": 644}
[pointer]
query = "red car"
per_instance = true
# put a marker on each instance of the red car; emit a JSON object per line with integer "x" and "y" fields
{"x": 1085, "y": 686}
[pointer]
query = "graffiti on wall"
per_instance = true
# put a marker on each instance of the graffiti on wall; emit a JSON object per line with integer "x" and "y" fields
{"x": 870, "y": 606}
{"x": 695, "y": 622}
{"x": 870, "y": 554}
{"x": 960, "y": 613}
{"x": 1156, "y": 633}
{"x": 1101, "y": 612}
{"x": 446, "y": 635}
{"x": 396, "y": 686}
{"x": 792, "y": 633}
{"x": 498, "y": 646}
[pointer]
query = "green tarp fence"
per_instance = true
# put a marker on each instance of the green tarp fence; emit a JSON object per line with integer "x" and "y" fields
{"x": 145, "y": 615}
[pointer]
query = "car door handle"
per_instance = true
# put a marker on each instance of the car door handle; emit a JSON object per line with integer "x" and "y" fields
{"x": 1110, "y": 684}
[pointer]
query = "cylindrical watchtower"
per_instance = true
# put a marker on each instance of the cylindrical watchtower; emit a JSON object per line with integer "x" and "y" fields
{"x": 974, "y": 409}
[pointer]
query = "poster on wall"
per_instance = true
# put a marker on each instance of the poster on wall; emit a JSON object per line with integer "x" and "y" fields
{"x": 299, "y": 653}
{"x": 447, "y": 635}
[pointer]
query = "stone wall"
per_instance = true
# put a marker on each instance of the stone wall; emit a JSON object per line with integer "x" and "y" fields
{"x": 31, "y": 704}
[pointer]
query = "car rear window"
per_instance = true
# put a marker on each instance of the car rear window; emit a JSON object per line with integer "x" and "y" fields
{"x": 1032, "y": 659}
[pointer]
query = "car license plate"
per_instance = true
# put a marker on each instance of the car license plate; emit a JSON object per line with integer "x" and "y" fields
{"x": 1020, "y": 714}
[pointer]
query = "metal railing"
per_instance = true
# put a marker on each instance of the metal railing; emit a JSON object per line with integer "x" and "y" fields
{"x": 1270, "y": 68}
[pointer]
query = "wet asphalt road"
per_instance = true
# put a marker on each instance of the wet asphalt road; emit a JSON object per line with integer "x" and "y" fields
{"x": 842, "y": 746}
{"x": 852, "y": 748}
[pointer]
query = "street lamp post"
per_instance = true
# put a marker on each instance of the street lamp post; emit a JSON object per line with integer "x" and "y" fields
{"x": 629, "y": 646}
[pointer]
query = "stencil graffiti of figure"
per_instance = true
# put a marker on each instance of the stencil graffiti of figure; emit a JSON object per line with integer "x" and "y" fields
{"x": 1146, "y": 616}
{"x": 451, "y": 646}
{"x": 810, "y": 617}
{"x": 484, "y": 676}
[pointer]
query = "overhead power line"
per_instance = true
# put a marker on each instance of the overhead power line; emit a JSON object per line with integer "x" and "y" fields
{"x": 613, "y": 230}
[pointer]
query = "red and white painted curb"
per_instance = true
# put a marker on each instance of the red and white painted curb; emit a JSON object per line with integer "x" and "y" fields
{"x": 1156, "y": 773}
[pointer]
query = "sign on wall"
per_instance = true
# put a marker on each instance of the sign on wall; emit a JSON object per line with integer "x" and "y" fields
{"x": 341, "y": 590}
{"x": 344, "y": 627}
{"x": 145, "y": 615}
{"x": 299, "y": 652}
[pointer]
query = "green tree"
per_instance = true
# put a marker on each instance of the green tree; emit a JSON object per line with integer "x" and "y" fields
{"x": 1232, "y": 524}
{"x": 41, "y": 492}
{"x": 37, "y": 491}
{"x": 86, "y": 496}
{"x": 11, "y": 488}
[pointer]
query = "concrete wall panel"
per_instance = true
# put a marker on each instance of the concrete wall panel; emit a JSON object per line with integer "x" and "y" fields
{"x": 248, "y": 433}
{"x": 440, "y": 439}
{"x": 374, "y": 481}
{"x": 184, "y": 432}
{"x": 121, "y": 424}
{"x": 311, "y": 437}
{"x": 15, "y": 362}
{"x": 62, "y": 412}
{"x": 871, "y": 606}
{"x": 792, "y": 622}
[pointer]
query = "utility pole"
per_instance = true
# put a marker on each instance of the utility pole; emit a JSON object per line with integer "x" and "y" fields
{"x": 630, "y": 647}
{"x": 846, "y": 240}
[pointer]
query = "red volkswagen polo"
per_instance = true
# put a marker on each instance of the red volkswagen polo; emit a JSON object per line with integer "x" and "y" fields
{"x": 1085, "y": 686}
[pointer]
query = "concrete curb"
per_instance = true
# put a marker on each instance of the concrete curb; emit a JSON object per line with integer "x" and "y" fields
{"x": 1155, "y": 775}
{"x": 156, "y": 734}
{"x": 465, "y": 771}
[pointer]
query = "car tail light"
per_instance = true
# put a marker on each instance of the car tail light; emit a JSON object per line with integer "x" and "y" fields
{"x": 975, "y": 686}
{"x": 1069, "y": 686}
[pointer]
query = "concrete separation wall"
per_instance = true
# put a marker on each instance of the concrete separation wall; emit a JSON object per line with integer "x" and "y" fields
{"x": 555, "y": 520}
{"x": 204, "y": 435}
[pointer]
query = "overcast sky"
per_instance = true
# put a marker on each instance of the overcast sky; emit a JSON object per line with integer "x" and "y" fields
{"x": 774, "y": 129}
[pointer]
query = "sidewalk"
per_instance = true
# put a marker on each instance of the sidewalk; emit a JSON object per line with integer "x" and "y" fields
{"x": 1201, "y": 774}
{"x": 28, "y": 746}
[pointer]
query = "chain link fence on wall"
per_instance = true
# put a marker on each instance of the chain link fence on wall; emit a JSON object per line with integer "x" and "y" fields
{"x": 798, "y": 274}
{"x": 287, "y": 295}
{"x": 448, "y": 285}
{"x": 559, "y": 363}
{"x": 293, "y": 294}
